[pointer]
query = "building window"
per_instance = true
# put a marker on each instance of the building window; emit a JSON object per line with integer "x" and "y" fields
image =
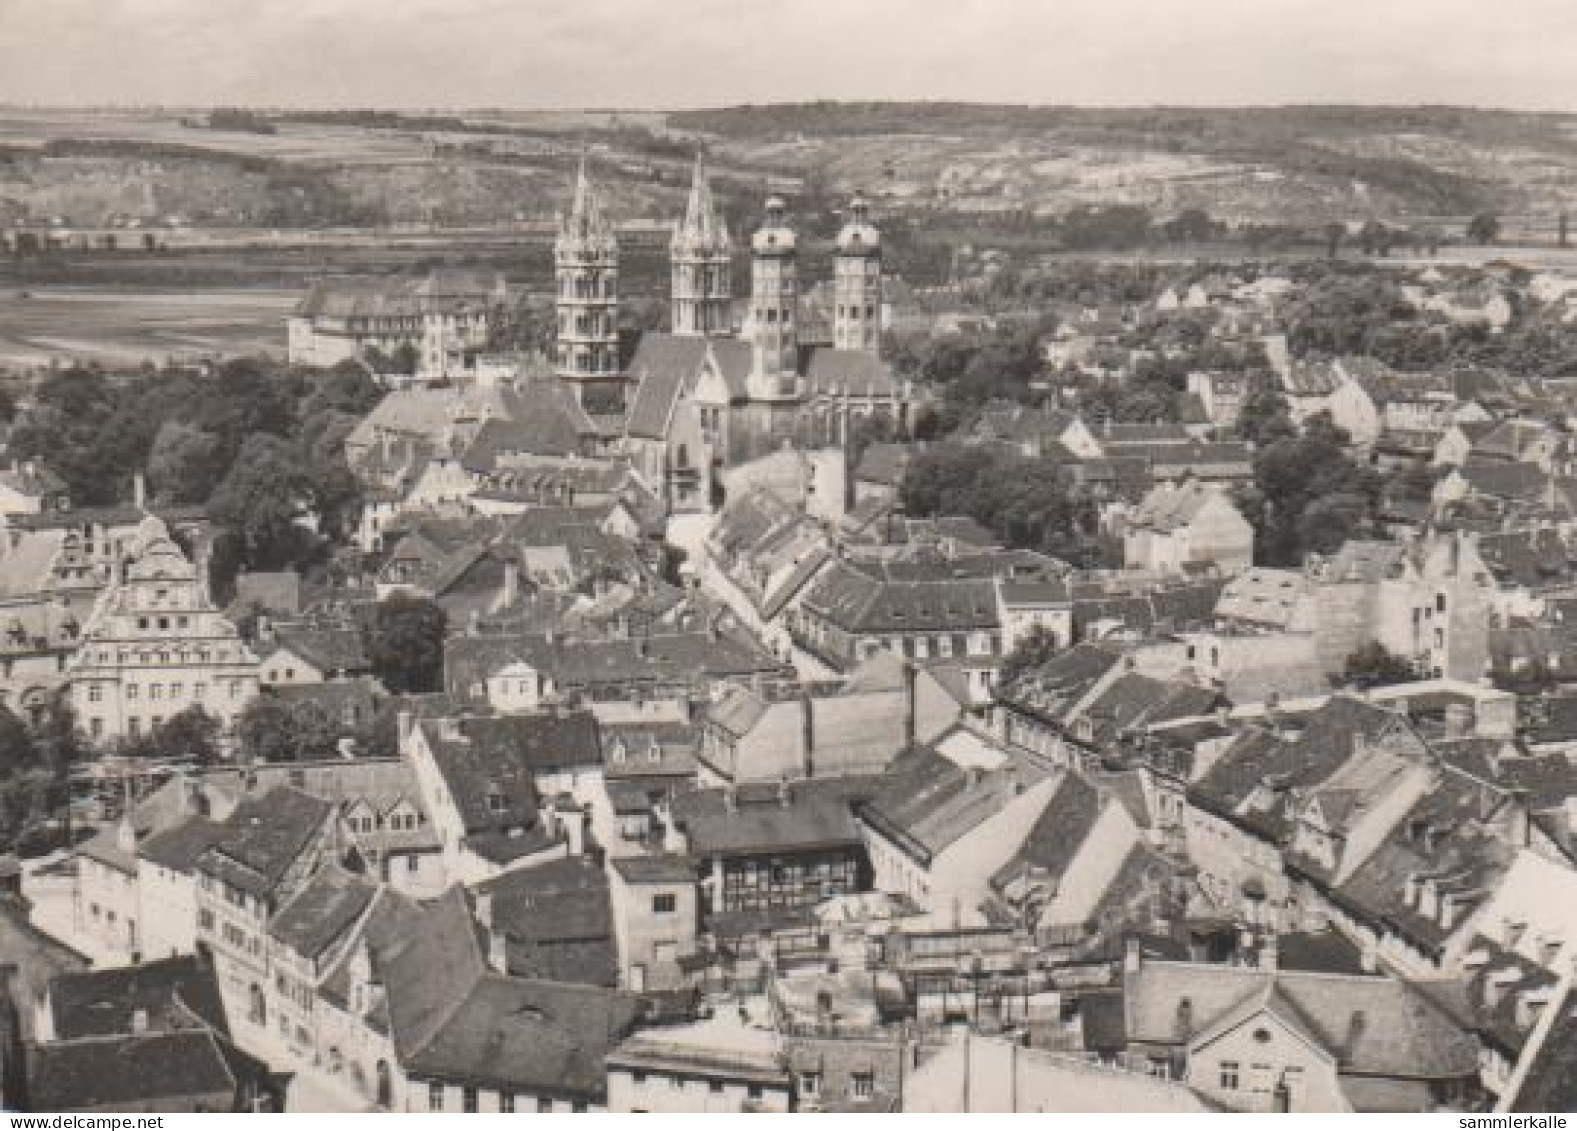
{"x": 435, "y": 1096}
{"x": 506, "y": 1103}
{"x": 544, "y": 1104}
{"x": 715, "y": 1086}
{"x": 664, "y": 904}
{"x": 468, "y": 1099}
{"x": 810, "y": 1084}
{"x": 864, "y": 1085}
{"x": 1229, "y": 1075}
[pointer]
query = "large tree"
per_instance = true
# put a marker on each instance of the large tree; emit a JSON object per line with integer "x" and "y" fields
{"x": 261, "y": 502}
{"x": 406, "y": 643}
{"x": 272, "y": 729}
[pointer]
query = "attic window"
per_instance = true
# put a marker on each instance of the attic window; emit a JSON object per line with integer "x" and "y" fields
{"x": 496, "y": 802}
{"x": 654, "y": 752}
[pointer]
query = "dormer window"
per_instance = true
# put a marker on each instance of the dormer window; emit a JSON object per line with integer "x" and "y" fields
{"x": 618, "y": 750}
{"x": 654, "y": 752}
{"x": 496, "y": 802}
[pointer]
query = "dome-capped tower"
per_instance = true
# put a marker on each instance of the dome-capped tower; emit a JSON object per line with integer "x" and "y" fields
{"x": 586, "y": 263}
{"x": 857, "y": 283}
{"x": 700, "y": 255}
{"x": 773, "y": 321}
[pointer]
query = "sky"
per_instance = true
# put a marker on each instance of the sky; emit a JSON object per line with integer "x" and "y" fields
{"x": 686, "y": 53}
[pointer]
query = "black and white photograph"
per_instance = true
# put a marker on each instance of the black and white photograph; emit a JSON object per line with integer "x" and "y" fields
{"x": 794, "y": 556}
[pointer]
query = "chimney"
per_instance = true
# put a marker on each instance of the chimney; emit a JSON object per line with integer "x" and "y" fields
{"x": 1270, "y": 953}
{"x": 807, "y": 715}
{"x": 498, "y": 952}
{"x": 484, "y": 909}
{"x": 1133, "y": 956}
{"x": 1356, "y": 1026}
{"x": 139, "y": 1021}
{"x": 126, "y": 835}
{"x": 730, "y": 799}
{"x": 1369, "y": 959}
{"x": 785, "y": 794}
{"x": 139, "y": 491}
{"x": 402, "y": 721}
{"x": 1459, "y": 720}
{"x": 911, "y": 683}
{"x": 511, "y": 592}
{"x": 574, "y": 824}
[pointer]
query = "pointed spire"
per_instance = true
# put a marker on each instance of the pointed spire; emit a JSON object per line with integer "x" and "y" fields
{"x": 586, "y": 219}
{"x": 702, "y": 229}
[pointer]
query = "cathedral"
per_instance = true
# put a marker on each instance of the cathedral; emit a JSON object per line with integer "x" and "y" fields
{"x": 705, "y": 396}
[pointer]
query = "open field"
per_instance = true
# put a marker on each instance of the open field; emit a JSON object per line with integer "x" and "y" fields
{"x": 116, "y": 327}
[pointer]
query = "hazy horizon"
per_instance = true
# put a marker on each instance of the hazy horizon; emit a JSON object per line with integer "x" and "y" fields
{"x": 624, "y": 55}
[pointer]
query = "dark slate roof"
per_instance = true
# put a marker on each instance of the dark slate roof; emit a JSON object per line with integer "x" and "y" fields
{"x": 557, "y": 921}
{"x": 1173, "y": 607}
{"x": 179, "y": 847}
{"x": 1551, "y": 1082}
{"x": 1135, "y": 700}
{"x": 1057, "y": 834}
{"x": 884, "y": 464}
{"x": 1504, "y": 480}
{"x": 929, "y": 802}
{"x": 37, "y": 957}
{"x": 321, "y": 913}
{"x": 328, "y": 648}
{"x": 544, "y": 1038}
{"x": 685, "y": 658}
{"x": 129, "y": 1073}
{"x": 544, "y": 420}
{"x": 1050, "y": 689}
{"x": 832, "y": 371}
{"x": 817, "y": 815}
{"x": 867, "y": 599}
{"x": 664, "y": 363}
{"x": 278, "y": 593}
{"x": 264, "y": 837}
{"x": 1440, "y": 838}
{"x": 1399, "y": 1032}
{"x": 491, "y": 781}
{"x": 560, "y": 901}
{"x": 1323, "y": 952}
{"x": 665, "y": 869}
{"x": 173, "y": 993}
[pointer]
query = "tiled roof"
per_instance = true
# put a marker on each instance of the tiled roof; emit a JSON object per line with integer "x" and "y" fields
{"x": 869, "y": 600}
{"x": 172, "y": 993}
{"x": 326, "y": 907}
{"x": 661, "y": 367}
{"x": 1057, "y": 834}
{"x": 490, "y": 764}
{"x": 538, "y": 1037}
{"x": 128, "y": 1073}
{"x": 884, "y": 464}
{"x": 816, "y": 814}
{"x": 264, "y": 836}
{"x": 330, "y": 649}
{"x": 665, "y": 869}
{"x": 179, "y": 846}
{"x": 932, "y": 802}
{"x": 1370, "y": 1025}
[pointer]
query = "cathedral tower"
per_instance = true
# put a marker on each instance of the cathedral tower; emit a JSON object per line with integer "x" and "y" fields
{"x": 857, "y": 283}
{"x": 700, "y": 256}
{"x": 772, "y": 325}
{"x": 586, "y": 263}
